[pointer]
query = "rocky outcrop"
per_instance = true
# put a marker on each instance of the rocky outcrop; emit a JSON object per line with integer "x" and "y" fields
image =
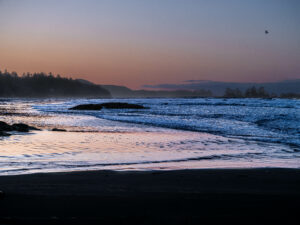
{"x": 2, "y": 133}
{"x": 59, "y": 130}
{"x": 107, "y": 105}
{"x": 5, "y": 127}
{"x": 87, "y": 107}
{"x": 19, "y": 127}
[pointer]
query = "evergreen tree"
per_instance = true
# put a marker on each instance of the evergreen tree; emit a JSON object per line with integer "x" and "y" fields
{"x": 42, "y": 85}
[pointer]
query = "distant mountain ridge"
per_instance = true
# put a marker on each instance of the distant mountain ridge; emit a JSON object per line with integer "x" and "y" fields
{"x": 218, "y": 88}
{"x": 125, "y": 92}
{"x": 47, "y": 85}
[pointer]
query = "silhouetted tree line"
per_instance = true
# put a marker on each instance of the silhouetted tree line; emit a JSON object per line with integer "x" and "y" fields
{"x": 46, "y": 85}
{"x": 254, "y": 92}
{"x": 289, "y": 95}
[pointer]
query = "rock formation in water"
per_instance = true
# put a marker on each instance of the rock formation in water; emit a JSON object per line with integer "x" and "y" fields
{"x": 19, "y": 127}
{"x": 59, "y": 130}
{"x": 108, "y": 105}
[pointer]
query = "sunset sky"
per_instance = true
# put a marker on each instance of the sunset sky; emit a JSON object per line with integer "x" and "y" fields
{"x": 137, "y": 42}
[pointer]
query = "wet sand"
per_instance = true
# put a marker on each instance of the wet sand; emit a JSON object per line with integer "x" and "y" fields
{"x": 205, "y": 196}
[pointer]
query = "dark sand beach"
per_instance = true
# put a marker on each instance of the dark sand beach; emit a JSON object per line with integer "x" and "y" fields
{"x": 205, "y": 196}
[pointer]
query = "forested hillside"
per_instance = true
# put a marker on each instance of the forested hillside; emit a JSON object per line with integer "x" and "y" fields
{"x": 46, "y": 85}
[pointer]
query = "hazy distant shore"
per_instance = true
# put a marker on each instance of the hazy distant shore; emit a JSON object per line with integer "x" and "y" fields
{"x": 212, "y": 196}
{"x": 42, "y": 85}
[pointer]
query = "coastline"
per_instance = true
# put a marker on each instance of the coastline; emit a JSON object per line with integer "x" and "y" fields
{"x": 104, "y": 140}
{"x": 213, "y": 196}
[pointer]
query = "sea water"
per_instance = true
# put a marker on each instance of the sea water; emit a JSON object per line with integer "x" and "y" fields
{"x": 169, "y": 134}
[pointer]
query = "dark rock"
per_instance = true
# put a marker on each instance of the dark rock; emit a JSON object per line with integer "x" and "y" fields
{"x": 5, "y": 127}
{"x": 21, "y": 127}
{"x": 2, "y": 133}
{"x": 87, "y": 107}
{"x": 108, "y": 105}
{"x": 60, "y": 130}
{"x": 121, "y": 105}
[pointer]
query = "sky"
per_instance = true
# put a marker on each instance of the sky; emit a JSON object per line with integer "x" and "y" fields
{"x": 137, "y": 42}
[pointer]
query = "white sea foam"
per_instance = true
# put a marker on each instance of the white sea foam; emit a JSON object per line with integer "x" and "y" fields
{"x": 170, "y": 134}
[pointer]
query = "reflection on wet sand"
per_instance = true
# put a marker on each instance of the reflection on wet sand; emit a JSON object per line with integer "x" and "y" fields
{"x": 94, "y": 143}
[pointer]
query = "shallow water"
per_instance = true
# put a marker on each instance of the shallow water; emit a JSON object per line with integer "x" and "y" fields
{"x": 171, "y": 134}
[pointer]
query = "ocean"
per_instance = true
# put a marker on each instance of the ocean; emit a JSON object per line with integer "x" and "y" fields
{"x": 183, "y": 133}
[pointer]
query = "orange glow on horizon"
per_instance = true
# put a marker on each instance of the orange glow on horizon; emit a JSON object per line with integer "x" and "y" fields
{"x": 113, "y": 43}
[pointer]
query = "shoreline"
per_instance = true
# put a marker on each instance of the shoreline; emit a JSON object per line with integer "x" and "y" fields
{"x": 213, "y": 196}
{"x": 90, "y": 172}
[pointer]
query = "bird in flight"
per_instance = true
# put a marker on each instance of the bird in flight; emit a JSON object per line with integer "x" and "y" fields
{"x": 266, "y": 32}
